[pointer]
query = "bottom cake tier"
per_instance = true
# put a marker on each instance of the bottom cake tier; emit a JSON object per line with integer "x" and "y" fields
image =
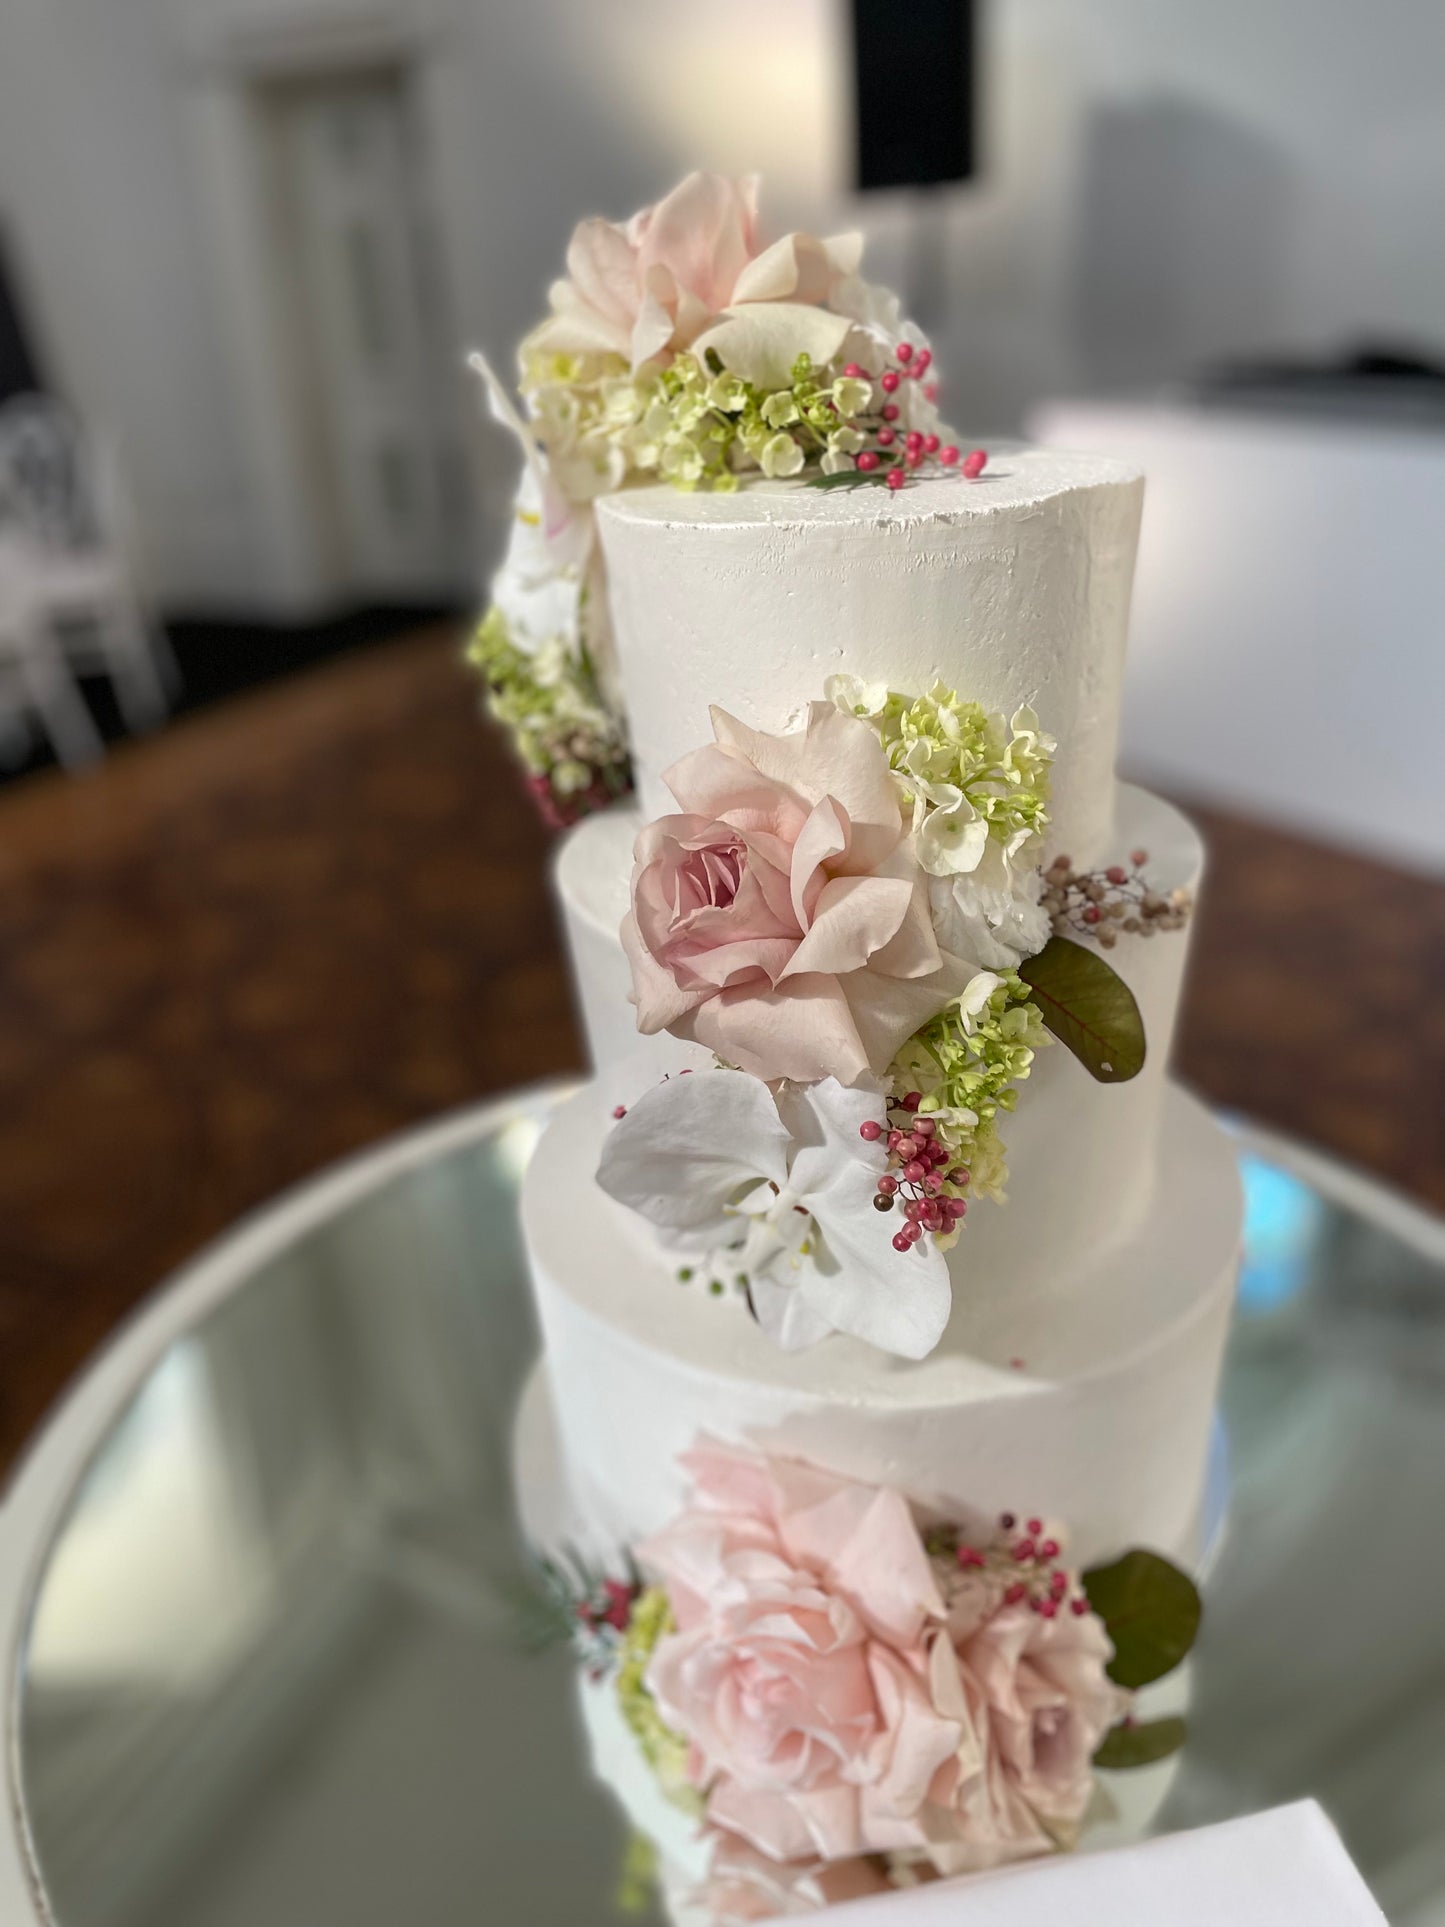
{"x": 1089, "y": 1405}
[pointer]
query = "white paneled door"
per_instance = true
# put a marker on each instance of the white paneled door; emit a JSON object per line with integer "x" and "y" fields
{"x": 376, "y": 354}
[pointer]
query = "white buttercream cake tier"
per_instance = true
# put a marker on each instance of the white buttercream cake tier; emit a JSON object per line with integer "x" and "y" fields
{"x": 1011, "y": 589}
{"x": 1087, "y": 1399}
{"x": 1081, "y": 1154}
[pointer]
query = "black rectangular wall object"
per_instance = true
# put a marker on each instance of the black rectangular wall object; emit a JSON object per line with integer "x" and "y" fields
{"x": 18, "y": 370}
{"x": 914, "y": 74}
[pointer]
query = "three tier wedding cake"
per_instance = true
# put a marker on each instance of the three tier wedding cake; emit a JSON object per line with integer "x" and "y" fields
{"x": 884, "y": 1275}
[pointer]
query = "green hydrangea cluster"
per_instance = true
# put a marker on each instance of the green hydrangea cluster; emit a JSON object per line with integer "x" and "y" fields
{"x": 967, "y": 1062}
{"x": 691, "y": 423}
{"x": 549, "y": 704}
{"x": 940, "y": 742}
{"x": 665, "y": 1751}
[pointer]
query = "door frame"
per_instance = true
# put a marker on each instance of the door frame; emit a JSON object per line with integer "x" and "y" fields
{"x": 235, "y": 72}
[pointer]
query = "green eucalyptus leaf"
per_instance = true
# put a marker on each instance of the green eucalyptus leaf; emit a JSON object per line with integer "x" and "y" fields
{"x": 850, "y": 478}
{"x": 1128, "y": 1744}
{"x": 1089, "y": 1007}
{"x": 1150, "y": 1610}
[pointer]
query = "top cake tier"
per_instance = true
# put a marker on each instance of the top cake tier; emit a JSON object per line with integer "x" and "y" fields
{"x": 1011, "y": 589}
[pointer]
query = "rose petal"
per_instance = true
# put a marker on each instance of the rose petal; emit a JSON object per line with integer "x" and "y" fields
{"x": 885, "y": 1011}
{"x": 832, "y": 755}
{"x": 913, "y": 949}
{"x": 823, "y": 837}
{"x": 661, "y": 1002}
{"x": 771, "y": 1822}
{"x": 803, "y": 1029}
{"x": 713, "y": 782}
{"x": 853, "y": 919}
{"x": 918, "y": 1739}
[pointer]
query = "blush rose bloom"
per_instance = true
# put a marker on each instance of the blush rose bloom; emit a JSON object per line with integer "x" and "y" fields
{"x": 836, "y": 1706}
{"x": 686, "y": 272}
{"x": 781, "y": 920}
{"x": 745, "y": 1885}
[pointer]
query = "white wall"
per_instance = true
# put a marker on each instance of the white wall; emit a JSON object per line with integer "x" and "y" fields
{"x": 1164, "y": 183}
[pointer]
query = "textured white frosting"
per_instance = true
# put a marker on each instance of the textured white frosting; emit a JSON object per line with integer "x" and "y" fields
{"x": 1011, "y": 589}
{"x": 1089, "y": 1403}
{"x": 1081, "y": 1154}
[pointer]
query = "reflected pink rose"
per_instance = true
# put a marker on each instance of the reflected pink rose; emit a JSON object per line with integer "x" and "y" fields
{"x": 745, "y": 1885}
{"x": 838, "y": 1703}
{"x": 781, "y": 919}
{"x": 652, "y": 286}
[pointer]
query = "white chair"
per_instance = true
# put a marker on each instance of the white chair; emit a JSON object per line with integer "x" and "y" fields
{"x": 36, "y": 681}
{"x": 68, "y": 596}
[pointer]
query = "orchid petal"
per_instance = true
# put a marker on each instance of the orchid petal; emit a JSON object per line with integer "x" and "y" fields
{"x": 603, "y": 270}
{"x": 687, "y": 1146}
{"x": 760, "y": 342}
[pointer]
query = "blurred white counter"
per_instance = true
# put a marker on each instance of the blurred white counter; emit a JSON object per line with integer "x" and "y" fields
{"x": 1287, "y": 654}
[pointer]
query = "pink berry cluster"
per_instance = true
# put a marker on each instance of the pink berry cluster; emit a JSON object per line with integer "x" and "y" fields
{"x": 922, "y": 1177}
{"x": 600, "y": 1613}
{"x": 1026, "y": 1559}
{"x": 894, "y": 453}
{"x": 1107, "y": 903}
{"x": 609, "y": 1605}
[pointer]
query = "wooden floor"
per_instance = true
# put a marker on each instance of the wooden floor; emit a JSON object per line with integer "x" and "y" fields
{"x": 318, "y": 914}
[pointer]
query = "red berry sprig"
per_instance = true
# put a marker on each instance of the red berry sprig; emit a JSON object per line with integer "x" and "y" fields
{"x": 922, "y": 1178}
{"x": 894, "y": 458}
{"x": 1027, "y": 1561}
{"x": 1106, "y": 904}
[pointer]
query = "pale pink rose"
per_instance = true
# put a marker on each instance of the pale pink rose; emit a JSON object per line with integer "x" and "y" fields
{"x": 655, "y": 285}
{"x": 1050, "y": 1703}
{"x": 836, "y": 1704}
{"x": 791, "y": 1589}
{"x": 781, "y": 920}
{"x": 1033, "y": 1701}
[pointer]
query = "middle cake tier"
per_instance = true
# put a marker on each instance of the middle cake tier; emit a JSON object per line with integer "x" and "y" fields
{"x": 1081, "y": 1154}
{"x": 1089, "y": 1402}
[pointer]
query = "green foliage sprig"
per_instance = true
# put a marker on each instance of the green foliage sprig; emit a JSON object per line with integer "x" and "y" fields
{"x": 691, "y": 423}
{"x": 967, "y": 1062}
{"x": 1151, "y": 1611}
{"x": 549, "y": 705}
{"x": 939, "y": 741}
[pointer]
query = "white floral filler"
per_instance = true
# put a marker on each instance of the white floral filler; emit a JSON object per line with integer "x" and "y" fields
{"x": 680, "y": 348}
{"x": 839, "y": 914}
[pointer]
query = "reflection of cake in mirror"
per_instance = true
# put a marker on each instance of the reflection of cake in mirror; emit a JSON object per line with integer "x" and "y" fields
{"x": 883, "y": 1274}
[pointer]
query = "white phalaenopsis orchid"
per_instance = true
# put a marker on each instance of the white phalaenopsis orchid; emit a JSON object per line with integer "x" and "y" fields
{"x": 784, "y": 1185}
{"x": 550, "y": 587}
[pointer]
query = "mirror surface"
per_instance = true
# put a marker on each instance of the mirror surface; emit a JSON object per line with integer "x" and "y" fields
{"x": 282, "y": 1672}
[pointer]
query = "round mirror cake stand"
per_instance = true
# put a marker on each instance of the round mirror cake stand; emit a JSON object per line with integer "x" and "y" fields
{"x": 271, "y": 1648}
